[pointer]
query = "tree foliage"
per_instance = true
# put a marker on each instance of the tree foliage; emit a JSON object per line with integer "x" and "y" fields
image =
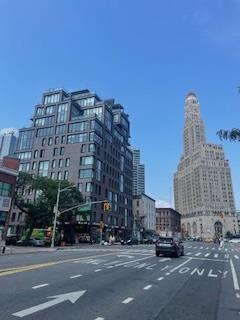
{"x": 36, "y": 196}
{"x": 231, "y": 135}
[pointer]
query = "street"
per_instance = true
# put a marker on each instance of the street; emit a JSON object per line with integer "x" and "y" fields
{"x": 116, "y": 282}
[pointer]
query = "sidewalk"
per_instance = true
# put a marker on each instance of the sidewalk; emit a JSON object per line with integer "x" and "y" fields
{"x": 10, "y": 250}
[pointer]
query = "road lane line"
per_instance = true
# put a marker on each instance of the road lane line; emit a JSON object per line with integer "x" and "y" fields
{"x": 98, "y": 270}
{"x": 76, "y": 276}
{"x": 207, "y": 255}
{"x": 180, "y": 265}
{"x": 132, "y": 261}
{"x": 127, "y": 300}
{"x": 160, "y": 278}
{"x": 41, "y": 286}
{"x": 234, "y": 276}
{"x": 147, "y": 287}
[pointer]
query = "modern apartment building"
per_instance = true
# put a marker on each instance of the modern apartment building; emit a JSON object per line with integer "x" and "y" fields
{"x": 202, "y": 184}
{"x": 8, "y": 142}
{"x": 168, "y": 222}
{"x": 138, "y": 174}
{"x": 78, "y": 137}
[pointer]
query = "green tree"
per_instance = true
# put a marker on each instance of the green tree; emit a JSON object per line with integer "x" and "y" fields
{"x": 36, "y": 196}
{"x": 231, "y": 135}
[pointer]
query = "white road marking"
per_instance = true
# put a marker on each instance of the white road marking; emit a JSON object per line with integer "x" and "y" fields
{"x": 216, "y": 255}
{"x": 165, "y": 259}
{"x": 207, "y": 254}
{"x": 195, "y": 247}
{"x": 109, "y": 267}
{"x": 147, "y": 287}
{"x": 238, "y": 295}
{"x": 234, "y": 276}
{"x": 126, "y": 263}
{"x": 207, "y": 248}
{"x": 180, "y": 265}
{"x": 71, "y": 296}
{"x": 226, "y": 256}
{"x": 76, "y": 276}
{"x": 167, "y": 274}
{"x": 188, "y": 253}
{"x": 201, "y": 247}
{"x": 127, "y": 300}
{"x": 198, "y": 254}
{"x": 190, "y": 247}
{"x": 211, "y": 274}
{"x": 41, "y": 286}
{"x": 99, "y": 318}
{"x": 164, "y": 268}
{"x": 161, "y": 278}
{"x": 112, "y": 262}
{"x": 98, "y": 270}
{"x": 236, "y": 257}
{"x": 213, "y": 248}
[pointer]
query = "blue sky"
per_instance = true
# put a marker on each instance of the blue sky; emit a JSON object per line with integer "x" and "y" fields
{"x": 146, "y": 54}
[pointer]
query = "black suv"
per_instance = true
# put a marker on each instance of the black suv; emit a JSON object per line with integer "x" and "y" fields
{"x": 169, "y": 246}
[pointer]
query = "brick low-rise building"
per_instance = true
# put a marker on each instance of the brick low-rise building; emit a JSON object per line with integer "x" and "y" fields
{"x": 168, "y": 221}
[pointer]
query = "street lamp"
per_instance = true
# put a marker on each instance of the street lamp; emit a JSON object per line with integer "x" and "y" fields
{"x": 55, "y": 211}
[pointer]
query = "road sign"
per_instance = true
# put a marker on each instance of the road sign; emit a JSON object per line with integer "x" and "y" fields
{"x": 71, "y": 296}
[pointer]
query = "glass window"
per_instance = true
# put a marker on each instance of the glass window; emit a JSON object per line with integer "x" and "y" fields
{"x": 61, "y": 151}
{"x": 24, "y": 167}
{"x": 56, "y": 140}
{"x": 59, "y": 176}
{"x": 44, "y": 121}
{"x": 85, "y": 173}
{"x": 53, "y": 98}
{"x": 49, "y": 109}
{"x": 80, "y": 187}
{"x": 108, "y": 119}
{"x": 67, "y": 162}
{"x": 42, "y": 153}
{"x": 66, "y": 174}
{"x": 63, "y": 139}
{"x": 98, "y": 170}
{"x": 94, "y": 125}
{"x": 43, "y": 132}
{"x": 91, "y": 147}
{"x": 93, "y": 136}
{"x": 93, "y": 111}
{"x": 50, "y": 141}
{"x": 83, "y": 148}
{"x": 24, "y": 155}
{"x": 35, "y": 155}
{"x": 61, "y": 129}
{"x": 55, "y": 151}
{"x": 40, "y": 111}
{"x": 34, "y": 165}
{"x": 43, "y": 168}
{"x": 60, "y": 163}
{"x": 89, "y": 187}
{"x": 25, "y": 140}
{"x": 76, "y": 138}
{"x": 62, "y": 112}
{"x": 52, "y": 175}
{"x": 43, "y": 142}
{"x": 5, "y": 189}
{"x": 86, "y": 160}
{"x": 121, "y": 183}
{"x": 54, "y": 163}
{"x": 78, "y": 126}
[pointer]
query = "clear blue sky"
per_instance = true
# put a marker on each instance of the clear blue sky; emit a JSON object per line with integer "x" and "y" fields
{"x": 145, "y": 54}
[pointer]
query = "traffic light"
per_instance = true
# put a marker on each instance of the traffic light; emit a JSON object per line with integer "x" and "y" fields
{"x": 106, "y": 206}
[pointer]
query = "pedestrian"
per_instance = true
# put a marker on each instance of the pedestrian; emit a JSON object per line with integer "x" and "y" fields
{"x": 221, "y": 242}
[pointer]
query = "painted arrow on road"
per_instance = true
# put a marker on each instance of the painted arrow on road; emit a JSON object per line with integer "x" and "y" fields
{"x": 124, "y": 256}
{"x": 71, "y": 296}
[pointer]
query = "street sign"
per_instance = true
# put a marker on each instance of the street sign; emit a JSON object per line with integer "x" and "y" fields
{"x": 71, "y": 296}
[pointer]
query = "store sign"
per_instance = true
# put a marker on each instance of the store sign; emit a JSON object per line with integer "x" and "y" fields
{"x": 5, "y": 203}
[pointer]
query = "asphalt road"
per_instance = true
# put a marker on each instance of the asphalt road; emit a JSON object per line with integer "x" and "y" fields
{"x": 101, "y": 283}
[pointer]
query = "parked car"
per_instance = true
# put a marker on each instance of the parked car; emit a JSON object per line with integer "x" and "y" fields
{"x": 12, "y": 239}
{"x": 235, "y": 239}
{"x": 31, "y": 243}
{"x": 155, "y": 239}
{"x": 169, "y": 246}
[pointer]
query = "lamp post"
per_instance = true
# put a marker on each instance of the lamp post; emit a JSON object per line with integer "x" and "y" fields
{"x": 55, "y": 211}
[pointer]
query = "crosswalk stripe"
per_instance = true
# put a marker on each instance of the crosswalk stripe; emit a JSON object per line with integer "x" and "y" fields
{"x": 188, "y": 253}
{"x": 201, "y": 247}
{"x": 207, "y": 254}
{"x": 198, "y": 254}
{"x": 216, "y": 255}
{"x": 236, "y": 257}
{"x": 207, "y": 248}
